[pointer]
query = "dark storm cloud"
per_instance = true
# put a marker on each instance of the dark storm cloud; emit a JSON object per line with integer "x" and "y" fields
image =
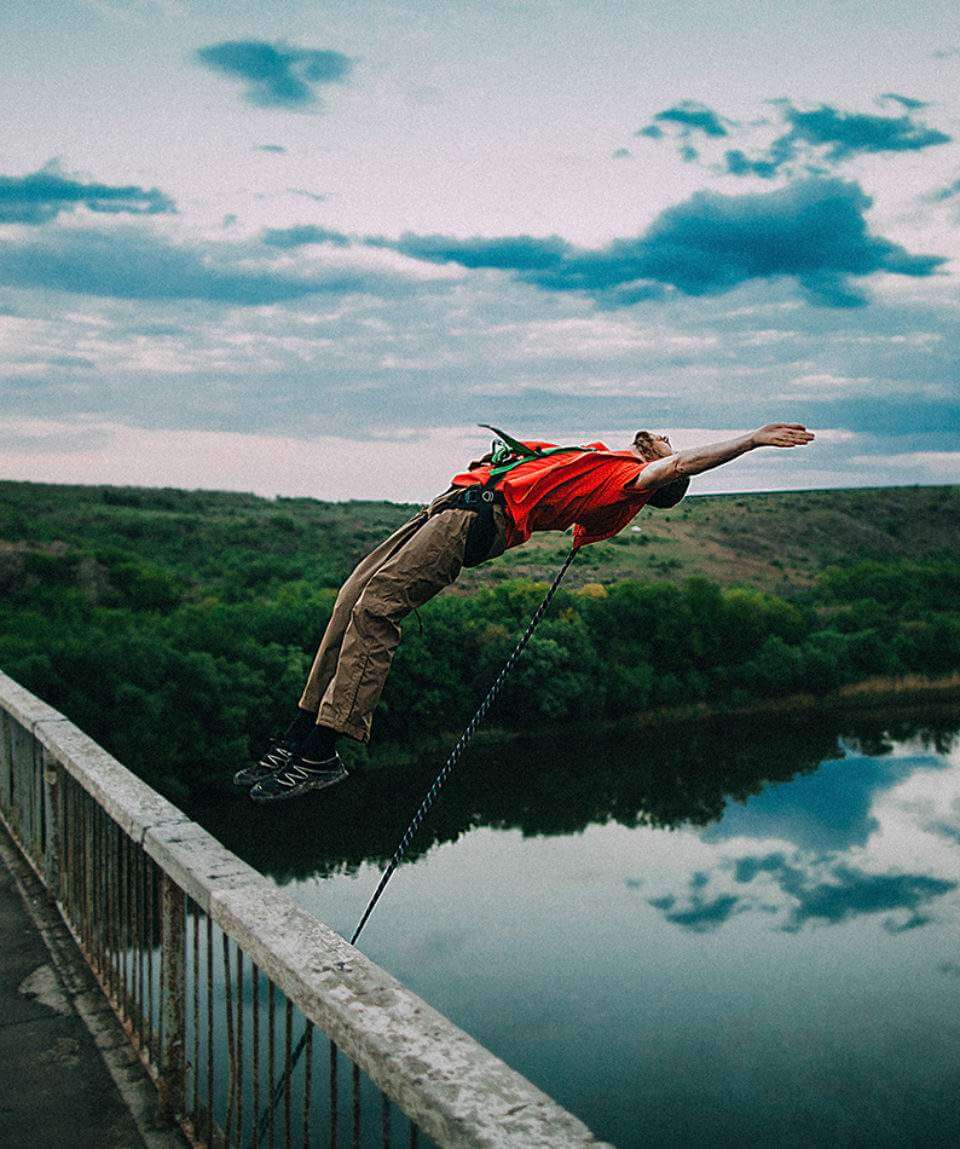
{"x": 128, "y": 264}
{"x": 690, "y": 116}
{"x": 832, "y": 136}
{"x": 317, "y": 197}
{"x": 290, "y": 237}
{"x": 847, "y": 893}
{"x": 948, "y": 192}
{"x": 847, "y": 133}
{"x": 700, "y": 914}
{"x": 854, "y": 893}
{"x": 814, "y": 231}
{"x": 945, "y": 830}
{"x": 738, "y": 163}
{"x": 276, "y": 75}
{"x": 904, "y": 101}
{"x": 520, "y": 253}
{"x": 41, "y": 196}
{"x": 681, "y": 123}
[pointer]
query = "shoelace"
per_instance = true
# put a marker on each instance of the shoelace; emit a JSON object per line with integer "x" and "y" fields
{"x": 276, "y": 758}
{"x": 300, "y": 773}
{"x": 294, "y": 775}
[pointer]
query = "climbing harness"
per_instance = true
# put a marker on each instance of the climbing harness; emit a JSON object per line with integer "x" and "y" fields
{"x": 424, "y": 808}
{"x": 507, "y": 454}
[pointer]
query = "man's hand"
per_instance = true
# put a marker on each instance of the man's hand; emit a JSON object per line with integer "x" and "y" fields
{"x": 782, "y": 435}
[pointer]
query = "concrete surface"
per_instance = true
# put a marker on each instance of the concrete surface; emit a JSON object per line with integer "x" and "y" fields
{"x": 61, "y": 1073}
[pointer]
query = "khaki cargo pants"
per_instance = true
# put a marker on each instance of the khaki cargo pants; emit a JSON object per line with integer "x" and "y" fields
{"x": 353, "y": 661}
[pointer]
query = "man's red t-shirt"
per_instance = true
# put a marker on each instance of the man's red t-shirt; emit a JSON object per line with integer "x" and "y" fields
{"x": 589, "y": 488}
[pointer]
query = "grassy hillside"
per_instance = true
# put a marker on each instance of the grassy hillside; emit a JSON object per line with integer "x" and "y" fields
{"x": 195, "y": 544}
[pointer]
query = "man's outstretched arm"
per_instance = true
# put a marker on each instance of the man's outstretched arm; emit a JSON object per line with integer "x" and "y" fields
{"x": 696, "y": 460}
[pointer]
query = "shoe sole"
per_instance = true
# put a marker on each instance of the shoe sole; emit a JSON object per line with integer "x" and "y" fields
{"x": 302, "y": 788}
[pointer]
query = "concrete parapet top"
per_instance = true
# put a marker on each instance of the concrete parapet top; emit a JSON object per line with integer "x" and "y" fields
{"x": 132, "y": 804}
{"x": 457, "y": 1091}
{"x": 24, "y": 706}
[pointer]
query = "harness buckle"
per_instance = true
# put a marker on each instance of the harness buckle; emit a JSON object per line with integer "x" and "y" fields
{"x": 487, "y": 496}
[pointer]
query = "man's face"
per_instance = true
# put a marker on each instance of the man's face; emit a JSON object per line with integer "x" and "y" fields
{"x": 658, "y": 447}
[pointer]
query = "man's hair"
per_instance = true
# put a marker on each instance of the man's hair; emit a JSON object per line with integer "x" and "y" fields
{"x": 672, "y": 493}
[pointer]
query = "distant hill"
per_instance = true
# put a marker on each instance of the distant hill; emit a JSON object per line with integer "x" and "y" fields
{"x": 198, "y": 543}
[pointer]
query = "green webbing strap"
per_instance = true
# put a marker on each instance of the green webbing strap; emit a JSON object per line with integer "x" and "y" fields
{"x": 517, "y": 448}
{"x": 496, "y": 472}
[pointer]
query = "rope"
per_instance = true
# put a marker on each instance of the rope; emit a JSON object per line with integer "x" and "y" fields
{"x": 462, "y": 742}
{"x": 431, "y": 796}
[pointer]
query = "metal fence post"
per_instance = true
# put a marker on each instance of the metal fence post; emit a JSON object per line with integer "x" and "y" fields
{"x": 173, "y": 1002}
{"x": 51, "y": 824}
{"x": 6, "y": 762}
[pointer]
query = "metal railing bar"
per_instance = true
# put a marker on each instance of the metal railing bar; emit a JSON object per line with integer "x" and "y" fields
{"x": 334, "y": 1097}
{"x": 231, "y": 1054}
{"x": 307, "y": 1085}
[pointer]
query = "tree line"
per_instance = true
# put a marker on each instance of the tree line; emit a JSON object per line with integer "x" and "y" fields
{"x": 183, "y": 684}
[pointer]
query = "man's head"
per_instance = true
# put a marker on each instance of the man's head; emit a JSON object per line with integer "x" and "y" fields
{"x": 650, "y": 446}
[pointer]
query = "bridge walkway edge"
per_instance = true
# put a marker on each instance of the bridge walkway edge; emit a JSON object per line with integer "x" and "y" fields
{"x": 69, "y": 1073}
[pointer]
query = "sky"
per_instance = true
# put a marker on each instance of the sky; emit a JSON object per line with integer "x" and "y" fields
{"x": 304, "y": 248}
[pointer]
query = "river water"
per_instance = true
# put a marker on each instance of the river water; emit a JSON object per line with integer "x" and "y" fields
{"x": 725, "y": 934}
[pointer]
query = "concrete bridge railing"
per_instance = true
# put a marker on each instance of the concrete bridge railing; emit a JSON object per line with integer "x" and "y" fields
{"x": 218, "y": 977}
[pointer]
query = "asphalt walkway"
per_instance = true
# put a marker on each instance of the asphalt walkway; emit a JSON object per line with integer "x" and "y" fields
{"x": 55, "y": 1085}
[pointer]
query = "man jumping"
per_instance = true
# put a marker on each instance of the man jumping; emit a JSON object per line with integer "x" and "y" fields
{"x": 497, "y": 503}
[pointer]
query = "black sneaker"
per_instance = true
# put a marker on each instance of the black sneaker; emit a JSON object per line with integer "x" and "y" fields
{"x": 277, "y": 755}
{"x": 297, "y": 778}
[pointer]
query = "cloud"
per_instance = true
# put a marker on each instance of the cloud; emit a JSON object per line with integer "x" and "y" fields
{"x": 688, "y": 116}
{"x": 944, "y": 829}
{"x": 42, "y": 195}
{"x": 832, "y": 136}
{"x": 290, "y": 237}
{"x": 904, "y": 101}
{"x": 317, "y": 197}
{"x": 276, "y": 75}
{"x": 847, "y": 893}
{"x": 701, "y": 916}
{"x": 814, "y": 140}
{"x": 845, "y": 134}
{"x": 854, "y": 892}
{"x": 813, "y": 231}
{"x": 273, "y": 149}
{"x": 128, "y": 264}
{"x": 947, "y": 192}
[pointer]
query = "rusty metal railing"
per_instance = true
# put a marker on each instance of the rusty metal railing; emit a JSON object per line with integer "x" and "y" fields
{"x": 216, "y": 976}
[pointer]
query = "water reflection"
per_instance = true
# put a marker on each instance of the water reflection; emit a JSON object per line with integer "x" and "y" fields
{"x": 809, "y": 780}
{"x": 734, "y": 933}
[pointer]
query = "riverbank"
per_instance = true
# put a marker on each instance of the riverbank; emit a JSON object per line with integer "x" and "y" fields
{"x": 901, "y": 694}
